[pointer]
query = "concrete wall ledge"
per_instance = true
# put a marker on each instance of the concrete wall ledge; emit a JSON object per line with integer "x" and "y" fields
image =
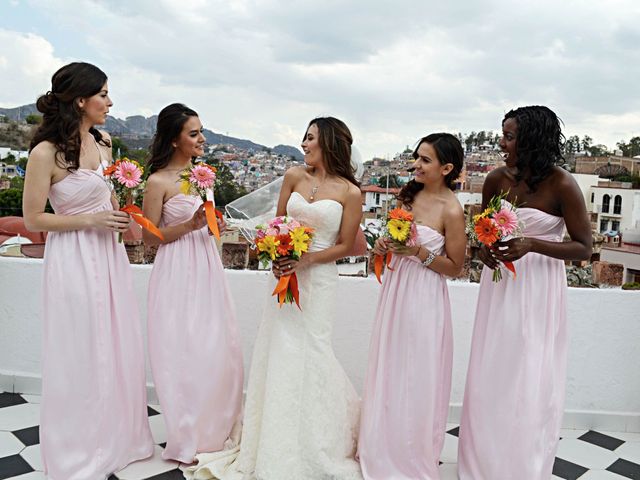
{"x": 603, "y": 383}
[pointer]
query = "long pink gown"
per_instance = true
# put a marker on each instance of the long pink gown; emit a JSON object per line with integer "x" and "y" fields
{"x": 408, "y": 383}
{"x": 94, "y": 412}
{"x": 514, "y": 395}
{"x": 194, "y": 347}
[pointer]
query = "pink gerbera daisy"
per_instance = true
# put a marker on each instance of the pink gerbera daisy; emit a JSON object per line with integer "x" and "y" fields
{"x": 202, "y": 176}
{"x": 506, "y": 220}
{"x": 128, "y": 174}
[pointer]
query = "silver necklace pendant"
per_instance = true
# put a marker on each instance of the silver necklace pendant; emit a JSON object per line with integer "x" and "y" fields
{"x": 313, "y": 192}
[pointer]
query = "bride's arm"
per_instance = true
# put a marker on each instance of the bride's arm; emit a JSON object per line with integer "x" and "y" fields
{"x": 291, "y": 177}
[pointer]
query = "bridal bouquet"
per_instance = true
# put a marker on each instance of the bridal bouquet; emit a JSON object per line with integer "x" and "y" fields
{"x": 198, "y": 180}
{"x": 283, "y": 237}
{"x": 497, "y": 222}
{"x": 125, "y": 177}
{"x": 400, "y": 228}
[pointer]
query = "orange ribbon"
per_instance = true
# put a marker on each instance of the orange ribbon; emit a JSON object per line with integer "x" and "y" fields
{"x": 509, "y": 266}
{"x": 211, "y": 213}
{"x": 288, "y": 284}
{"x": 141, "y": 220}
{"x": 382, "y": 260}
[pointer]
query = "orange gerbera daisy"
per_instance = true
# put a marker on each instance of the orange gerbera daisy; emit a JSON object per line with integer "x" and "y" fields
{"x": 111, "y": 169}
{"x": 486, "y": 230}
{"x": 400, "y": 214}
{"x": 285, "y": 246}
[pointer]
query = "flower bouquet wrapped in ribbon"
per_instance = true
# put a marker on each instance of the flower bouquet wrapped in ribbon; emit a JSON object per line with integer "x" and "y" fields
{"x": 400, "y": 228}
{"x": 125, "y": 176}
{"x": 497, "y": 222}
{"x": 198, "y": 180}
{"x": 279, "y": 238}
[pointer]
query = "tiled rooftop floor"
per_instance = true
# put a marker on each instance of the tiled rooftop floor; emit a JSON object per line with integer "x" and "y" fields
{"x": 587, "y": 455}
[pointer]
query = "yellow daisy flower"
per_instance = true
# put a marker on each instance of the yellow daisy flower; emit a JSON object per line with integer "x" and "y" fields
{"x": 399, "y": 230}
{"x": 269, "y": 244}
{"x": 300, "y": 240}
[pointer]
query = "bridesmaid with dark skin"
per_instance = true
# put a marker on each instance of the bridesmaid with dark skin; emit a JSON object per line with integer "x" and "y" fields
{"x": 514, "y": 395}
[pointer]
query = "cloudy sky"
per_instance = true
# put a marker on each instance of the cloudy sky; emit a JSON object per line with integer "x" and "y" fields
{"x": 393, "y": 70}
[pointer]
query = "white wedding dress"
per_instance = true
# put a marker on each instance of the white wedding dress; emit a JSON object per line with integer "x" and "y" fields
{"x": 301, "y": 412}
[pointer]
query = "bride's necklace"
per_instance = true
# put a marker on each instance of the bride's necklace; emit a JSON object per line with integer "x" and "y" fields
{"x": 315, "y": 188}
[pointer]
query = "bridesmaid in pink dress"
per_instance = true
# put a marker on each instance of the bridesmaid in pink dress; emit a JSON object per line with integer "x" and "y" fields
{"x": 514, "y": 396}
{"x": 194, "y": 347}
{"x": 406, "y": 394}
{"x": 94, "y": 413}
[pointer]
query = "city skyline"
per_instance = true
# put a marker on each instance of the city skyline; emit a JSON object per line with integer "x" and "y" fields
{"x": 262, "y": 71}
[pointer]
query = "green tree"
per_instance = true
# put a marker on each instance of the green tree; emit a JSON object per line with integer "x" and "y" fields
{"x": 118, "y": 147}
{"x": 11, "y": 202}
{"x": 22, "y": 162}
{"x": 631, "y": 148}
{"x": 394, "y": 181}
{"x": 10, "y": 159}
{"x": 598, "y": 150}
{"x": 17, "y": 182}
{"x": 33, "y": 119}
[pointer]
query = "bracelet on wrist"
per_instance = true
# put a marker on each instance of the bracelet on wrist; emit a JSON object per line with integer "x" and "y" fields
{"x": 429, "y": 260}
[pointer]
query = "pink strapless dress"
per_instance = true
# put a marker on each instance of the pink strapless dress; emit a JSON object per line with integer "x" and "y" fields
{"x": 195, "y": 352}
{"x": 94, "y": 402}
{"x": 408, "y": 383}
{"x": 514, "y": 395}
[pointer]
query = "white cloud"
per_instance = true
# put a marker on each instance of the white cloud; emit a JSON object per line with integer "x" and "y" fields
{"x": 262, "y": 69}
{"x": 27, "y": 62}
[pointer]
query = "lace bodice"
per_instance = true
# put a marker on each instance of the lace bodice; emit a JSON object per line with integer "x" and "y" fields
{"x": 325, "y": 216}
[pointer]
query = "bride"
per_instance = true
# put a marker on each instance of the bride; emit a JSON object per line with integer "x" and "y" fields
{"x": 301, "y": 411}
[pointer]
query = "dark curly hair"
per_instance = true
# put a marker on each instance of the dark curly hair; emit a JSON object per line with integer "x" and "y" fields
{"x": 449, "y": 150}
{"x": 334, "y": 138}
{"x": 171, "y": 119}
{"x": 539, "y": 143}
{"x": 61, "y": 115}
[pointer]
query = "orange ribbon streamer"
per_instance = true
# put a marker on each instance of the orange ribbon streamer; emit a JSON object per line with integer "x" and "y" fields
{"x": 211, "y": 213}
{"x": 141, "y": 220}
{"x": 379, "y": 261}
{"x": 509, "y": 266}
{"x": 286, "y": 283}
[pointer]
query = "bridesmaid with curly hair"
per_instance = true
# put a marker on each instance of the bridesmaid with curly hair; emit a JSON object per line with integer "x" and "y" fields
{"x": 514, "y": 396}
{"x": 406, "y": 393}
{"x": 94, "y": 414}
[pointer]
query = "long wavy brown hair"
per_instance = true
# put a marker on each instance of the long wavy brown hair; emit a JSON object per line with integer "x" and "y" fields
{"x": 61, "y": 115}
{"x": 171, "y": 119}
{"x": 449, "y": 150}
{"x": 334, "y": 138}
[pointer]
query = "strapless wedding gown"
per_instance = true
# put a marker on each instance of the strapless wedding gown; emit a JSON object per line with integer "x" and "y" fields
{"x": 301, "y": 412}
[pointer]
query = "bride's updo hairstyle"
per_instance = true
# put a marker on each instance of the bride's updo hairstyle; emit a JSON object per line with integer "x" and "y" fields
{"x": 61, "y": 115}
{"x": 335, "y": 142}
{"x": 449, "y": 150}
{"x": 171, "y": 119}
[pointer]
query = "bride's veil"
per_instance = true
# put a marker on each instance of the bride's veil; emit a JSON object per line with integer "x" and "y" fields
{"x": 259, "y": 206}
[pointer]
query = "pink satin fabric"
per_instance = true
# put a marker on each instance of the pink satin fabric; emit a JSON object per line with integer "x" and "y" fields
{"x": 194, "y": 346}
{"x": 94, "y": 412}
{"x": 408, "y": 383}
{"x": 514, "y": 395}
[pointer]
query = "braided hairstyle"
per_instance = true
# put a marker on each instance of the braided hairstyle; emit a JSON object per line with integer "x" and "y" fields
{"x": 61, "y": 115}
{"x": 449, "y": 150}
{"x": 539, "y": 143}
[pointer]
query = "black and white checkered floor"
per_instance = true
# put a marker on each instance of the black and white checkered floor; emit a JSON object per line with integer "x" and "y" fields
{"x": 587, "y": 455}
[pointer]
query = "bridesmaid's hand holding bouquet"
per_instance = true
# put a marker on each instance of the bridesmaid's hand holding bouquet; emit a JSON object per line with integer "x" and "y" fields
{"x": 125, "y": 178}
{"x": 198, "y": 180}
{"x": 400, "y": 230}
{"x": 496, "y": 223}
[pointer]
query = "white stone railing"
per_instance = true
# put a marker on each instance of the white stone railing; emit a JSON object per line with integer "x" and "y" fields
{"x": 603, "y": 380}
